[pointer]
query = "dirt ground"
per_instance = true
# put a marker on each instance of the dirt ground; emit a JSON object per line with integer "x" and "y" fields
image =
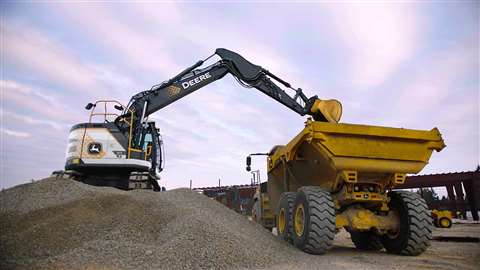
{"x": 441, "y": 255}
{"x": 64, "y": 224}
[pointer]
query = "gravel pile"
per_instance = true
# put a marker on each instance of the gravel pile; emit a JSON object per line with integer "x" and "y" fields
{"x": 64, "y": 224}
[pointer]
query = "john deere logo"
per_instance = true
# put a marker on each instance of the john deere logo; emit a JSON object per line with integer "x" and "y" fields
{"x": 95, "y": 148}
{"x": 196, "y": 80}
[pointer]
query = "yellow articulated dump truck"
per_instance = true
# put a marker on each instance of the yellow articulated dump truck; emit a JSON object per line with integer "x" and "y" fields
{"x": 333, "y": 176}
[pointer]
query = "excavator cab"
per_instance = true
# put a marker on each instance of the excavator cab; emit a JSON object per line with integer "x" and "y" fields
{"x": 103, "y": 149}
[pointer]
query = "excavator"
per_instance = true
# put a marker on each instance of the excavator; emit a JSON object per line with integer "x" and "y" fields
{"x": 125, "y": 149}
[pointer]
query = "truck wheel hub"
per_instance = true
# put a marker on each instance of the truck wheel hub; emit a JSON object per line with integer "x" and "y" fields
{"x": 299, "y": 220}
{"x": 444, "y": 222}
{"x": 281, "y": 221}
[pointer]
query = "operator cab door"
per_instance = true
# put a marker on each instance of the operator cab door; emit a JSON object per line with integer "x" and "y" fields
{"x": 148, "y": 145}
{"x": 151, "y": 144}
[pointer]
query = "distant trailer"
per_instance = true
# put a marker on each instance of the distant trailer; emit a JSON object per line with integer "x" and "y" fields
{"x": 238, "y": 197}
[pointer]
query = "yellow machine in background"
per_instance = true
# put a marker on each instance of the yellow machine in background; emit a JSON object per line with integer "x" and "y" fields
{"x": 442, "y": 218}
{"x": 333, "y": 176}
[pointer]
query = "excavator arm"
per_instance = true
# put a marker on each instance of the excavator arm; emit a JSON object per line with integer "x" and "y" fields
{"x": 247, "y": 74}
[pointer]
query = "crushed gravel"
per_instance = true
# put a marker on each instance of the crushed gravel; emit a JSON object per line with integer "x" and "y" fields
{"x": 64, "y": 224}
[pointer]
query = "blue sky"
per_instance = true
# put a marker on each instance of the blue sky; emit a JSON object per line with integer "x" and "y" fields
{"x": 412, "y": 65}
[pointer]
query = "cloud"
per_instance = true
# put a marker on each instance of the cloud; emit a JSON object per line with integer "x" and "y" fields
{"x": 432, "y": 81}
{"x": 41, "y": 58}
{"x": 33, "y": 50}
{"x": 119, "y": 37}
{"x": 33, "y": 100}
{"x": 378, "y": 38}
{"x": 32, "y": 121}
{"x": 115, "y": 79}
{"x": 12, "y": 86}
{"x": 439, "y": 80}
{"x": 144, "y": 39}
{"x": 16, "y": 134}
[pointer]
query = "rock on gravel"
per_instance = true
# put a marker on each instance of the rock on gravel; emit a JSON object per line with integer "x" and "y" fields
{"x": 64, "y": 224}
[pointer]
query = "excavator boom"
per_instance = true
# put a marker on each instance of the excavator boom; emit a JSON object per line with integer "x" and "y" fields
{"x": 247, "y": 74}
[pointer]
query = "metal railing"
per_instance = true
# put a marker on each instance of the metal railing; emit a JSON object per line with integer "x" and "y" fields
{"x": 105, "y": 114}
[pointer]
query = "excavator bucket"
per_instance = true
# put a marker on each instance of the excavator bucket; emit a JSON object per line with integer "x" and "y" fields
{"x": 330, "y": 109}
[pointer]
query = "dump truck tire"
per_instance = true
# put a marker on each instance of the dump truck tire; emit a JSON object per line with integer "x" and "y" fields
{"x": 444, "y": 222}
{"x": 284, "y": 216}
{"x": 366, "y": 240}
{"x": 313, "y": 220}
{"x": 415, "y": 225}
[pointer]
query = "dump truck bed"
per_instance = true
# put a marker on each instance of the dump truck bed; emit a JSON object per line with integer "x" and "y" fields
{"x": 325, "y": 154}
{"x": 367, "y": 148}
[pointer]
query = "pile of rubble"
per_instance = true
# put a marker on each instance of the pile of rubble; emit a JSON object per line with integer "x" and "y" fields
{"x": 61, "y": 223}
